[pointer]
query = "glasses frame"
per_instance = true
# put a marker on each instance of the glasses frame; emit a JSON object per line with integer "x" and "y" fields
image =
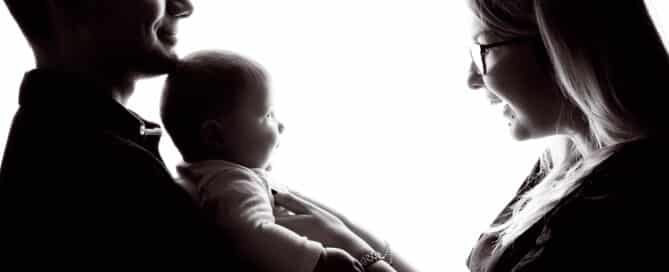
{"x": 480, "y": 51}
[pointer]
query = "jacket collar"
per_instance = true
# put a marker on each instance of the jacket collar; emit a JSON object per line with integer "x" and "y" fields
{"x": 79, "y": 100}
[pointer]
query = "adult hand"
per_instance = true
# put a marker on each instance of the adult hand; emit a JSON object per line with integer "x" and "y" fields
{"x": 378, "y": 244}
{"x": 319, "y": 225}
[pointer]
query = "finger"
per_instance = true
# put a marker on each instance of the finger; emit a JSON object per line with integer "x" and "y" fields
{"x": 293, "y": 203}
{"x": 305, "y": 198}
{"x": 298, "y": 223}
{"x": 305, "y": 225}
{"x": 314, "y": 203}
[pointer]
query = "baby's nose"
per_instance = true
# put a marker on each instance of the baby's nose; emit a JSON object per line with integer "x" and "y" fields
{"x": 281, "y": 127}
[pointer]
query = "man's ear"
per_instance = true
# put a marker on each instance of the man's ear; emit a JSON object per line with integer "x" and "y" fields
{"x": 212, "y": 134}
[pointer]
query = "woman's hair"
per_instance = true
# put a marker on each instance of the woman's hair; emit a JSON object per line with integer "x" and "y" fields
{"x": 205, "y": 85}
{"x": 609, "y": 62}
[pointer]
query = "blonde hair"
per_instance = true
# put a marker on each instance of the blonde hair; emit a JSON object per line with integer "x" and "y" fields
{"x": 595, "y": 48}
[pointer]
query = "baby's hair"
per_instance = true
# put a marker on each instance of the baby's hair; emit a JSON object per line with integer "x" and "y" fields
{"x": 205, "y": 86}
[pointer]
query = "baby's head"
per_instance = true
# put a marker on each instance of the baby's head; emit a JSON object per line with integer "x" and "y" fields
{"x": 218, "y": 106}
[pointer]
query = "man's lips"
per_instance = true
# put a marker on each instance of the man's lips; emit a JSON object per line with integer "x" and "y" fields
{"x": 170, "y": 38}
{"x": 168, "y": 34}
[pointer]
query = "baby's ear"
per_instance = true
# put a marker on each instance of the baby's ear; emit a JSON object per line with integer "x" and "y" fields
{"x": 212, "y": 134}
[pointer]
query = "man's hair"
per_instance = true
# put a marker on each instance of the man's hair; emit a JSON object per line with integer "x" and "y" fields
{"x": 205, "y": 85}
{"x": 33, "y": 18}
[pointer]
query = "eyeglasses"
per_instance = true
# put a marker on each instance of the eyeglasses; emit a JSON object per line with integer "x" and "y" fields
{"x": 479, "y": 51}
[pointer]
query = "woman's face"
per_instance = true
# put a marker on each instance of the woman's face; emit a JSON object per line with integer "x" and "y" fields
{"x": 518, "y": 80}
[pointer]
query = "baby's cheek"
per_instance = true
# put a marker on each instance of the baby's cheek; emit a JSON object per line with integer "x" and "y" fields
{"x": 275, "y": 136}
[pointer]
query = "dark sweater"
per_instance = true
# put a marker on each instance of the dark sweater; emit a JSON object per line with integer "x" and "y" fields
{"x": 613, "y": 222}
{"x": 82, "y": 182}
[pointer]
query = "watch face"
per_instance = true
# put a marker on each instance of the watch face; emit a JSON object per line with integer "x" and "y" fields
{"x": 370, "y": 258}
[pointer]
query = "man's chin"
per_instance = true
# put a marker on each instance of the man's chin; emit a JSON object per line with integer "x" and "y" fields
{"x": 158, "y": 64}
{"x": 145, "y": 74}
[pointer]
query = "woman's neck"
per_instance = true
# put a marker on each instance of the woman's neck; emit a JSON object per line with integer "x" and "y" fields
{"x": 561, "y": 147}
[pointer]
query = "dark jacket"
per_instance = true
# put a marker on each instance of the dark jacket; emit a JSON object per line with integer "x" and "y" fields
{"x": 613, "y": 222}
{"x": 82, "y": 181}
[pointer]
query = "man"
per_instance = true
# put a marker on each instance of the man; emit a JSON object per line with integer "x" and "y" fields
{"x": 81, "y": 179}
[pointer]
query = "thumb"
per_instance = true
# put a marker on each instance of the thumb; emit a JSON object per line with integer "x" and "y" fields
{"x": 293, "y": 203}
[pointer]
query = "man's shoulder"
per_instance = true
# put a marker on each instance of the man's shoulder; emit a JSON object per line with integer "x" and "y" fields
{"x": 76, "y": 155}
{"x": 105, "y": 151}
{"x": 114, "y": 147}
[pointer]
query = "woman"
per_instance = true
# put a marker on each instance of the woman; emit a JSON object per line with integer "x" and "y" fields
{"x": 589, "y": 71}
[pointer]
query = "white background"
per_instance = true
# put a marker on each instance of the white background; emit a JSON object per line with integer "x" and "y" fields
{"x": 380, "y": 123}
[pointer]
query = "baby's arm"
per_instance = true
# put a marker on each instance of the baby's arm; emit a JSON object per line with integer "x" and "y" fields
{"x": 241, "y": 207}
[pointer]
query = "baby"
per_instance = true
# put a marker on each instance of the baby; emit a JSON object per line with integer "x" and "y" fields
{"x": 217, "y": 108}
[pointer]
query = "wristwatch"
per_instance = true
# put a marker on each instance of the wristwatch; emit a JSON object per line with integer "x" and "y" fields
{"x": 372, "y": 257}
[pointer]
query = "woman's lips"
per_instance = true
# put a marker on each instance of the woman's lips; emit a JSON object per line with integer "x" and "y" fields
{"x": 493, "y": 99}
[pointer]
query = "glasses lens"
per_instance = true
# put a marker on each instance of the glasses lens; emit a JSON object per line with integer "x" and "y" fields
{"x": 477, "y": 57}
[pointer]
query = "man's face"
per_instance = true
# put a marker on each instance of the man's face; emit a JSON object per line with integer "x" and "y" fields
{"x": 135, "y": 35}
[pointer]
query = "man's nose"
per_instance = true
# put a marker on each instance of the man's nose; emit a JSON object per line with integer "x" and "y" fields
{"x": 180, "y": 8}
{"x": 474, "y": 80}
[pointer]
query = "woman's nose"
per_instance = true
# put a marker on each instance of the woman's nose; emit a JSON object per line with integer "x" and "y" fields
{"x": 474, "y": 80}
{"x": 179, "y": 8}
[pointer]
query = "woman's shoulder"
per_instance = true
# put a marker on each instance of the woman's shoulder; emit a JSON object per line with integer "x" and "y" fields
{"x": 633, "y": 169}
{"x": 630, "y": 179}
{"x": 646, "y": 151}
{"x": 612, "y": 220}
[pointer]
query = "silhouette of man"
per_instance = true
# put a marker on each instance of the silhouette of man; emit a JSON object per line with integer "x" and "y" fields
{"x": 81, "y": 179}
